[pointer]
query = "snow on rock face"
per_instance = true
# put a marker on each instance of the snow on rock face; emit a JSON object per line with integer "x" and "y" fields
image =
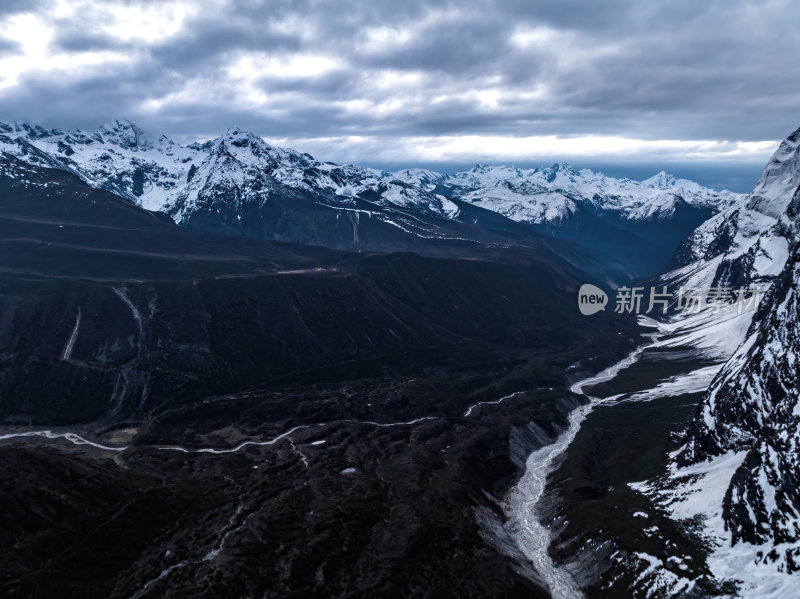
{"x": 125, "y": 134}
{"x": 777, "y": 188}
{"x": 755, "y": 234}
{"x": 555, "y": 193}
{"x": 753, "y": 406}
{"x": 118, "y": 156}
{"x": 742, "y": 455}
{"x": 159, "y": 174}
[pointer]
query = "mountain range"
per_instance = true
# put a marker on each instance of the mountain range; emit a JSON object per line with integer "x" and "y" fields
{"x": 238, "y": 184}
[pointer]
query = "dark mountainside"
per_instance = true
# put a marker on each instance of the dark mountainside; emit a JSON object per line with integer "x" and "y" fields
{"x": 154, "y": 309}
{"x": 354, "y": 372}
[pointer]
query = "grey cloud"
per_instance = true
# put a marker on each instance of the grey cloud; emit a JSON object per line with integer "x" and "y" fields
{"x": 10, "y": 7}
{"x": 213, "y": 41}
{"x": 462, "y": 45}
{"x": 8, "y": 46}
{"x": 335, "y": 83}
{"x": 653, "y": 70}
{"x": 80, "y": 40}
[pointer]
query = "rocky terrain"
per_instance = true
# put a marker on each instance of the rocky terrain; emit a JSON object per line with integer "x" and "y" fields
{"x": 754, "y": 235}
{"x": 751, "y": 409}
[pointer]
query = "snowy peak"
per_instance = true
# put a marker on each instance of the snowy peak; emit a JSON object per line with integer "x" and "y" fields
{"x": 241, "y": 138}
{"x": 780, "y": 181}
{"x": 661, "y": 180}
{"x": 252, "y": 151}
{"x": 124, "y": 134}
{"x": 560, "y": 170}
{"x": 667, "y": 182}
{"x": 754, "y": 235}
{"x": 417, "y": 176}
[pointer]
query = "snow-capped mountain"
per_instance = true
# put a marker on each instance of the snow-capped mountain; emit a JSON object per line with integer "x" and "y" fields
{"x": 755, "y": 234}
{"x": 737, "y": 473}
{"x": 551, "y": 195}
{"x": 744, "y": 247}
{"x": 159, "y": 174}
{"x": 636, "y": 224}
{"x": 752, "y": 408}
{"x": 238, "y": 183}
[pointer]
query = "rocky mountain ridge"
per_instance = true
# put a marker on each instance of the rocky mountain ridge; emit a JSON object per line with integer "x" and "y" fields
{"x": 239, "y": 184}
{"x": 745, "y": 436}
{"x": 754, "y": 236}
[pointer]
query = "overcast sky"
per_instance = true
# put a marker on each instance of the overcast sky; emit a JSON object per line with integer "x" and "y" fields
{"x": 617, "y": 82}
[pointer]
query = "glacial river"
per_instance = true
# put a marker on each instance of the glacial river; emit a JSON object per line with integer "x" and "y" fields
{"x": 522, "y": 501}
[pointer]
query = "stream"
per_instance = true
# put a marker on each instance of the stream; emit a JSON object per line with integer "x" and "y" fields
{"x": 522, "y": 501}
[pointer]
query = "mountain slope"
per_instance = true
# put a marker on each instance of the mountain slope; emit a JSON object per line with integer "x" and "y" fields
{"x": 753, "y": 406}
{"x": 738, "y": 253}
{"x": 96, "y": 291}
{"x": 755, "y": 234}
{"x": 735, "y": 478}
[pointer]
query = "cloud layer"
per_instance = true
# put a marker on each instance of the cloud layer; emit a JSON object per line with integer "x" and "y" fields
{"x": 418, "y": 81}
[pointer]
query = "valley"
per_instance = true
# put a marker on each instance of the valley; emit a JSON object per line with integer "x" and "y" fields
{"x": 216, "y": 368}
{"x": 354, "y": 383}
